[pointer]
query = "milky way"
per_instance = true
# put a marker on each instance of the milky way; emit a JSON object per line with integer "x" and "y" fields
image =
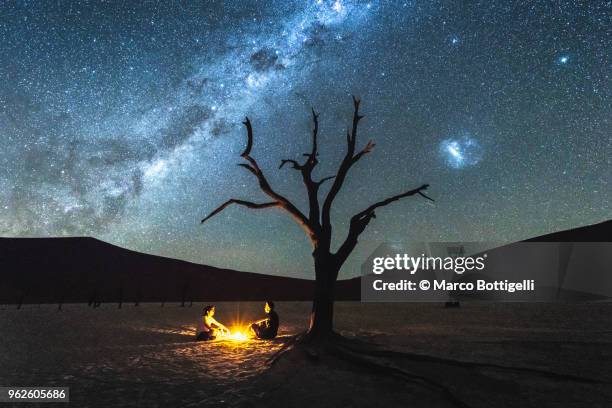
{"x": 123, "y": 121}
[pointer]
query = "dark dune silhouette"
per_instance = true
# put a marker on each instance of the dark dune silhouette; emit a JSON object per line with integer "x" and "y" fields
{"x": 601, "y": 232}
{"x": 79, "y": 269}
{"x": 69, "y": 270}
{"x": 568, "y": 265}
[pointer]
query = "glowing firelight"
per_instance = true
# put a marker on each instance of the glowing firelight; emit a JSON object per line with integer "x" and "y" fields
{"x": 238, "y": 336}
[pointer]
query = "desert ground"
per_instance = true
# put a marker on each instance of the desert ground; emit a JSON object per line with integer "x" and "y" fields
{"x": 478, "y": 355}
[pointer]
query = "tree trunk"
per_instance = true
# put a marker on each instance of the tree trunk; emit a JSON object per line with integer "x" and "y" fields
{"x": 184, "y": 294}
{"x": 20, "y": 301}
{"x": 322, "y": 315}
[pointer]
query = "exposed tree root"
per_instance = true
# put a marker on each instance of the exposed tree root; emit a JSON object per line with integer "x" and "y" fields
{"x": 333, "y": 345}
{"x": 378, "y": 359}
{"x": 396, "y": 372}
{"x": 288, "y": 346}
{"x": 360, "y": 347}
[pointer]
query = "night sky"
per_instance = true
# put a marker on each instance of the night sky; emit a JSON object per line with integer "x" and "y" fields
{"x": 121, "y": 120}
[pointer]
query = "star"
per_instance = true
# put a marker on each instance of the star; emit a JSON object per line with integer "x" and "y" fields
{"x": 337, "y": 6}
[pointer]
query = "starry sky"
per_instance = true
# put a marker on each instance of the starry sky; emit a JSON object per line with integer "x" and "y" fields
{"x": 121, "y": 120}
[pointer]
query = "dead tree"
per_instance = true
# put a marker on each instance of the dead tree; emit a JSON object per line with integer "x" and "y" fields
{"x": 184, "y": 290}
{"x": 120, "y": 304}
{"x": 317, "y": 223}
{"x": 138, "y": 298}
{"x": 20, "y": 299}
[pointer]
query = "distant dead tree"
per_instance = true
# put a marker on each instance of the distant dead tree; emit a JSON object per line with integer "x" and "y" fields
{"x": 184, "y": 291}
{"x": 65, "y": 288}
{"x": 92, "y": 298}
{"x": 60, "y": 303}
{"x": 120, "y": 303}
{"x": 317, "y": 223}
{"x": 138, "y": 298}
{"x": 61, "y": 291}
{"x": 25, "y": 289}
{"x": 21, "y": 298}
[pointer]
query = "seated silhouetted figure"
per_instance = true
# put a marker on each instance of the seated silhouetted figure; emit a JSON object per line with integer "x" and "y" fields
{"x": 211, "y": 326}
{"x": 266, "y": 328}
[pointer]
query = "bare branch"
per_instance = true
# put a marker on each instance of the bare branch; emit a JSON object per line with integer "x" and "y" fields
{"x": 370, "y": 209}
{"x": 248, "y": 167}
{"x": 295, "y": 164}
{"x": 248, "y": 204}
{"x": 249, "y": 146}
{"x": 425, "y": 196}
{"x": 311, "y": 160}
{"x": 315, "y": 131}
{"x": 324, "y": 179}
{"x": 345, "y": 166}
{"x": 356, "y": 101}
{"x": 264, "y": 185}
{"x": 360, "y": 221}
{"x": 367, "y": 149}
{"x": 306, "y": 169}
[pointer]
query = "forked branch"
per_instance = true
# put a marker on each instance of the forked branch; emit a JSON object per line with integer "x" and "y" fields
{"x": 294, "y": 163}
{"x": 312, "y": 158}
{"x": 349, "y": 160}
{"x": 244, "y": 203}
{"x": 382, "y": 203}
{"x": 367, "y": 149}
{"x": 324, "y": 179}
{"x": 312, "y": 187}
{"x": 264, "y": 185}
{"x": 360, "y": 221}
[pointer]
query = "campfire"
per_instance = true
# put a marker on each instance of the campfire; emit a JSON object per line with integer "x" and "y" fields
{"x": 236, "y": 333}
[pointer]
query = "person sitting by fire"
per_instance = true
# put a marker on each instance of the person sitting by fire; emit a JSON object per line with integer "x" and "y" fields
{"x": 266, "y": 328}
{"x": 211, "y": 326}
